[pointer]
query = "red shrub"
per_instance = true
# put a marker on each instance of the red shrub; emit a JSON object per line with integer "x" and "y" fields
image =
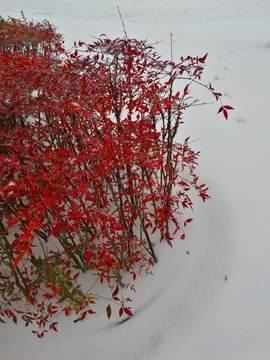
{"x": 90, "y": 165}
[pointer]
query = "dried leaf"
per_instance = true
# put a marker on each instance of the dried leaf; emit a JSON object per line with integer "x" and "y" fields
{"x": 109, "y": 311}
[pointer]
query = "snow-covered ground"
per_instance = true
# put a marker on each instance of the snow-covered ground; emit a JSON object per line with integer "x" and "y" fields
{"x": 188, "y": 310}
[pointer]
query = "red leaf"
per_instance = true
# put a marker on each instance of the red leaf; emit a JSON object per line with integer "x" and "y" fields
{"x": 127, "y": 311}
{"x": 203, "y": 58}
{"x": 83, "y": 315}
{"x": 14, "y": 221}
{"x": 220, "y": 109}
{"x": 17, "y": 260}
{"x": 121, "y": 312}
{"x": 155, "y": 228}
{"x": 76, "y": 105}
{"x": 116, "y": 291}
{"x": 76, "y": 276}
{"x": 183, "y": 237}
{"x": 31, "y": 299}
{"x": 223, "y": 109}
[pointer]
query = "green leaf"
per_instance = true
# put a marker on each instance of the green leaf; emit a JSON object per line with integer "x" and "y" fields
{"x": 57, "y": 260}
{"x": 36, "y": 262}
{"x": 78, "y": 291}
{"x": 42, "y": 279}
{"x": 70, "y": 245}
{"x": 39, "y": 269}
{"x": 75, "y": 267}
{"x": 63, "y": 297}
{"x": 69, "y": 283}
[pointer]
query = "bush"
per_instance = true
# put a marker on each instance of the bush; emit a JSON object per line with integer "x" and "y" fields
{"x": 90, "y": 167}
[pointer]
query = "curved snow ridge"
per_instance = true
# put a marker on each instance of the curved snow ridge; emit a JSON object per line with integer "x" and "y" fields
{"x": 188, "y": 291}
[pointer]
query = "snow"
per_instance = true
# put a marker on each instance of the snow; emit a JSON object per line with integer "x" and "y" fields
{"x": 213, "y": 304}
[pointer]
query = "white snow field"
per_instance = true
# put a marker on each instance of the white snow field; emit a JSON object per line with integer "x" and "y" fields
{"x": 187, "y": 310}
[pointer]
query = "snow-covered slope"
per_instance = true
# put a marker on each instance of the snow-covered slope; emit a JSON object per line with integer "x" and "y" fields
{"x": 213, "y": 304}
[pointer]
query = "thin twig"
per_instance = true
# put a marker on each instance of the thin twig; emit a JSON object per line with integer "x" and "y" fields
{"x": 122, "y": 22}
{"x": 171, "y": 35}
